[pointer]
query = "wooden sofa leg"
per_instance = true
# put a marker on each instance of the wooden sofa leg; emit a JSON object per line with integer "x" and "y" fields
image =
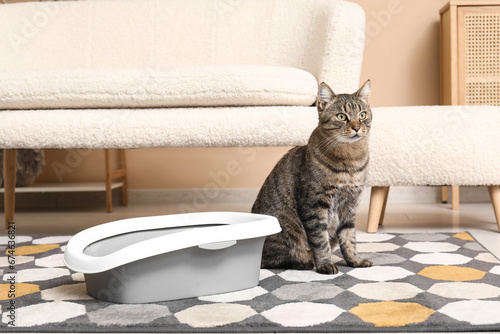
{"x": 124, "y": 179}
{"x": 109, "y": 191}
{"x": 9, "y": 172}
{"x": 378, "y": 201}
{"x": 120, "y": 173}
{"x": 495, "y": 200}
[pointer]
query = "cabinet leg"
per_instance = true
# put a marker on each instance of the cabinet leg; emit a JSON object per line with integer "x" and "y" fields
{"x": 9, "y": 170}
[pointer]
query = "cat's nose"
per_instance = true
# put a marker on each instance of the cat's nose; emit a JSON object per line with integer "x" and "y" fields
{"x": 356, "y": 128}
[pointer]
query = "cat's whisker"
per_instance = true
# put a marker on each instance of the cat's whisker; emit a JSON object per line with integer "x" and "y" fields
{"x": 329, "y": 139}
{"x": 329, "y": 144}
{"x": 326, "y": 142}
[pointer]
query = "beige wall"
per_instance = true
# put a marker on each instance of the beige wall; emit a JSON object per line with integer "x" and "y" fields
{"x": 401, "y": 59}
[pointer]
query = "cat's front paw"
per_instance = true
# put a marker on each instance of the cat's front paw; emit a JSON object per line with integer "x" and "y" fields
{"x": 362, "y": 263}
{"x": 327, "y": 268}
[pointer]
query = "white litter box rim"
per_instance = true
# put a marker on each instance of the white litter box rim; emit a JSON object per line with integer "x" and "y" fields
{"x": 234, "y": 226}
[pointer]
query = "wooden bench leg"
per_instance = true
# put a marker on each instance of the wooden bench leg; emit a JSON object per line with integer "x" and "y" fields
{"x": 444, "y": 194}
{"x": 378, "y": 201}
{"x": 382, "y": 215}
{"x": 495, "y": 200}
{"x": 455, "y": 197}
{"x": 9, "y": 172}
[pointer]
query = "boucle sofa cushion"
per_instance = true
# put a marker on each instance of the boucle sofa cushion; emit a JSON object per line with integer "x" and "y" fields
{"x": 207, "y": 86}
{"x": 157, "y": 127}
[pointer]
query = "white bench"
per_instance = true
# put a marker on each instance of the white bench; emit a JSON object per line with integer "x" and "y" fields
{"x": 433, "y": 146}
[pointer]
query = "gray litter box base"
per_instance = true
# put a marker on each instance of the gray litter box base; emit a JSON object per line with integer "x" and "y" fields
{"x": 186, "y": 273}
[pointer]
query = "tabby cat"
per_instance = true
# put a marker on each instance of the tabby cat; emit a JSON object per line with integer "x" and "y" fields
{"x": 314, "y": 190}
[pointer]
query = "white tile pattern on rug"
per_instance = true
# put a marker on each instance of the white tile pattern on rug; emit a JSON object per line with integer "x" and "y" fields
{"x": 125, "y": 315}
{"x": 465, "y": 290}
{"x": 303, "y": 314}
{"x": 306, "y": 276}
{"x": 236, "y": 296}
{"x": 483, "y": 312}
{"x": 431, "y": 247}
{"x": 214, "y": 315}
{"x": 51, "y": 261}
{"x": 385, "y": 290}
{"x": 378, "y": 247}
{"x": 46, "y": 313}
{"x": 66, "y": 292}
{"x": 380, "y": 274}
{"x": 441, "y": 258}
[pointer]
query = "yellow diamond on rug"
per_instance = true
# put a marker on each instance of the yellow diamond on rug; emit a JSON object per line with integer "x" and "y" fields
{"x": 36, "y": 249}
{"x": 21, "y": 289}
{"x": 463, "y": 236}
{"x": 452, "y": 273}
{"x": 392, "y": 314}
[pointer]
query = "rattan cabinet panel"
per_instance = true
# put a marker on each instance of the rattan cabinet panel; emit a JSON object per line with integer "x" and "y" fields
{"x": 470, "y": 53}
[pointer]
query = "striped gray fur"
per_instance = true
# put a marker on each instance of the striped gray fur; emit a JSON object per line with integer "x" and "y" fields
{"x": 314, "y": 190}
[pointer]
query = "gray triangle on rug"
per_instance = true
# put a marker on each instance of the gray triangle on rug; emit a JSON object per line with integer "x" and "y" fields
{"x": 434, "y": 282}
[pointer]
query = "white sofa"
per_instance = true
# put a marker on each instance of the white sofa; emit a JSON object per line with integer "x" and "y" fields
{"x": 169, "y": 73}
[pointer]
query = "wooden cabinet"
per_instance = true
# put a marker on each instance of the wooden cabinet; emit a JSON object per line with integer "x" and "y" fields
{"x": 470, "y": 57}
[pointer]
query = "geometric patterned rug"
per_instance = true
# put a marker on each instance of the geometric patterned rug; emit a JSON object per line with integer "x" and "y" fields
{"x": 419, "y": 282}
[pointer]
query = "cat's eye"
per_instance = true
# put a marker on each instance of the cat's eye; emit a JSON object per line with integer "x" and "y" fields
{"x": 362, "y": 115}
{"x": 342, "y": 117}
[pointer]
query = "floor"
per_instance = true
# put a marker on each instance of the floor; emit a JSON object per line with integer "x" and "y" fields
{"x": 477, "y": 218}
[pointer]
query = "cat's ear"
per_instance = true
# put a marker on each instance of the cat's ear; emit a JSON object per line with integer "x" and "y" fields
{"x": 325, "y": 95}
{"x": 364, "y": 92}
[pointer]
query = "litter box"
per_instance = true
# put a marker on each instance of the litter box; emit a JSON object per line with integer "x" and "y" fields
{"x": 161, "y": 258}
